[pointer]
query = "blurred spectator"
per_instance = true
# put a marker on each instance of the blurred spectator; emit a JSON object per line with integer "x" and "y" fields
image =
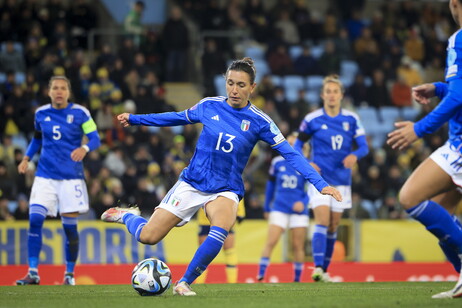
{"x": 279, "y": 61}
{"x": 22, "y": 210}
{"x": 7, "y": 184}
{"x": 5, "y": 214}
{"x": 213, "y": 64}
{"x": 378, "y": 94}
{"x": 358, "y": 91}
{"x": 306, "y": 64}
{"x": 409, "y": 74}
{"x": 401, "y": 92}
{"x": 115, "y": 161}
{"x": 132, "y": 24}
{"x": 82, "y": 18}
{"x": 414, "y": 46}
{"x": 176, "y": 46}
{"x": 11, "y": 59}
{"x": 329, "y": 62}
{"x": 288, "y": 28}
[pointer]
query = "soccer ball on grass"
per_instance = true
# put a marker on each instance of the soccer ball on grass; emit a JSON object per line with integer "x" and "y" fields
{"x": 151, "y": 277}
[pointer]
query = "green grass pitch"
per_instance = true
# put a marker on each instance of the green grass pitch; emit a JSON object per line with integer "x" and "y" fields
{"x": 374, "y": 294}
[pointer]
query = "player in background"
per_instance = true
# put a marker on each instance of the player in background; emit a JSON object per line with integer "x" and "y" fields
{"x": 431, "y": 193}
{"x": 59, "y": 184}
{"x": 332, "y": 132}
{"x": 286, "y": 206}
{"x": 229, "y": 246}
{"x": 213, "y": 180}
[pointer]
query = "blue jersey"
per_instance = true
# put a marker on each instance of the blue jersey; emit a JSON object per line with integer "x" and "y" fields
{"x": 450, "y": 108}
{"x": 224, "y": 146}
{"x": 62, "y": 131}
{"x": 332, "y": 139}
{"x": 289, "y": 187}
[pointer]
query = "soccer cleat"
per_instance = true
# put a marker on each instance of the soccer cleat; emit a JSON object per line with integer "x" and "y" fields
{"x": 115, "y": 214}
{"x": 317, "y": 274}
{"x": 260, "y": 278}
{"x": 69, "y": 279}
{"x": 456, "y": 292}
{"x": 445, "y": 294}
{"x": 30, "y": 279}
{"x": 183, "y": 289}
{"x": 326, "y": 277}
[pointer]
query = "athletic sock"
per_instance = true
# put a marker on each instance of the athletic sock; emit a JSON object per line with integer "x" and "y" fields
{"x": 318, "y": 244}
{"x": 298, "y": 268}
{"x": 72, "y": 243}
{"x": 264, "y": 262}
{"x": 37, "y": 215}
{"x": 439, "y": 222}
{"x": 330, "y": 244}
{"x": 134, "y": 224}
{"x": 205, "y": 254}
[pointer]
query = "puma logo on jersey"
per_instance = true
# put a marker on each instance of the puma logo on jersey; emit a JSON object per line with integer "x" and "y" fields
{"x": 216, "y": 118}
{"x": 47, "y": 119}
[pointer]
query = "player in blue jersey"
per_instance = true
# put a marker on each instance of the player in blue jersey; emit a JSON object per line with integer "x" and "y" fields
{"x": 59, "y": 184}
{"x": 432, "y": 192}
{"x": 286, "y": 206}
{"x": 213, "y": 180}
{"x": 332, "y": 132}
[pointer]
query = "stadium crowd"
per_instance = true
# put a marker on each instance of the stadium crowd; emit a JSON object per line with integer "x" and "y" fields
{"x": 399, "y": 46}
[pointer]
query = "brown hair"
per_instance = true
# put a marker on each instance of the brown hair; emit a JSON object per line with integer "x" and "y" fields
{"x": 244, "y": 65}
{"x": 59, "y": 77}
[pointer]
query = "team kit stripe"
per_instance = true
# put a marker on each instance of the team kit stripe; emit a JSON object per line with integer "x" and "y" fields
{"x": 217, "y": 235}
{"x": 260, "y": 113}
{"x": 171, "y": 191}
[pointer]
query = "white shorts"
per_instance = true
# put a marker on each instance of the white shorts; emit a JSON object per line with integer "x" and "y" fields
{"x": 63, "y": 196}
{"x": 317, "y": 199}
{"x": 450, "y": 161}
{"x": 183, "y": 200}
{"x": 290, "y": 221}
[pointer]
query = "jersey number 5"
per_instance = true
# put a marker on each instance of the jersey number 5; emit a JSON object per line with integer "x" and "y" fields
{"x": 56, "y": 132}
{"x": 228, "y": 147}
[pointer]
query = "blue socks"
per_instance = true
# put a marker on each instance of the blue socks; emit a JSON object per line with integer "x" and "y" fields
{"x": 450, "y": 252}
{"x": 439, "y": 222}
{"x": 72, "y": 242}
{"x": 298, "y": 268}
{"x": 264, "y": 262}
{"x": 331, "y": 239}
{"x": 134, "y": 224}
{"x": 37, "y": 215}
{"x": 205, "y": 254}
{"x": 319, "y": 243}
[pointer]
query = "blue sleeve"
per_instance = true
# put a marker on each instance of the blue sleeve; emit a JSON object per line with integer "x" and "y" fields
{"x": 93, "y": 140}
{"x": 301, "y": 165}
{"x": 363, "y": 148}
{"x": 269, "y": 193}
{"x": 441, "y": 89}
{"x": 445, "y": 110}
{"x": 161, "y": 119}
{"x": 33, "y": 147}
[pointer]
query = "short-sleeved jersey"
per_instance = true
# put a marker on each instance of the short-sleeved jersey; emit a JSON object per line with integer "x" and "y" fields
{"x": 454, "y": 56}
{"x": 62, "y": 131}
{"x": 290, "y": 186}
{"x": 332, "y": 139}
{"x": 224, "y": 146}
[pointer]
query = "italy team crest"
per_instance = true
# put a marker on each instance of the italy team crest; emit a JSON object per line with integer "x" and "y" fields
{"x": 70, "y": 118}
{"x": 245, "y": 125}
{"x": 346, "y": 126}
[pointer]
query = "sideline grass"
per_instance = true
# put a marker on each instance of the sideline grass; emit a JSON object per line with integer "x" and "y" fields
{"x": 376, "y": 294}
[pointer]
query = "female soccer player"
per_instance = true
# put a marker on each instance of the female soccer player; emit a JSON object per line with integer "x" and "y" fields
{"x": 59, "y": 184}
{"x": 213, "y": 180}
{"x": 333, "y": 131}
{"x": 433, "y": 188}
{"x": 286, "y": 201}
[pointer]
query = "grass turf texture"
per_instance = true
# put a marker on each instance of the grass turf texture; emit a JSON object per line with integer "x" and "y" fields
{"x": 375, "y": 294}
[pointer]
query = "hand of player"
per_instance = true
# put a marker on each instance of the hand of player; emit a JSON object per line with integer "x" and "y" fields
{"x": 123, "y": 119}
{"x": 22, "y": 167}
{"x": 350, "y": 161}
{"x": 329, "y": 190}
{"x": 78, "y": 154}
{"x": 423, "y": 93}
{"x": 403, "y": 136}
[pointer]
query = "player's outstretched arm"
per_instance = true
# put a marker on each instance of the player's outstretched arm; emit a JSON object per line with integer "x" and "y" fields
{"x": 403, "y": 136}
{"x": 332, "y": 191}
{"x": 422, "y": 93}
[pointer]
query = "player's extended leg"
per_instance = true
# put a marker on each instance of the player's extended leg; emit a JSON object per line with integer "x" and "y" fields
{"x": 449, "y": 201}
{"x": 319, "y": 241}
{"x": 222, "y": 215}
{"x": 426, "y": 182}
{"x": 298, "y": 243}
{"x": 71, "y": 247}
{"x": 37, "y": 215}
{"x": 230, "y": 258}
{"x": 274, "y": 234}
{"x": 202, "y": 278}
{"x": 335, "y": 218}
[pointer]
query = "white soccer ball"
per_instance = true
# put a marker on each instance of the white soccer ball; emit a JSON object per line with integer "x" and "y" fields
{"x": 151, "y": 277}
